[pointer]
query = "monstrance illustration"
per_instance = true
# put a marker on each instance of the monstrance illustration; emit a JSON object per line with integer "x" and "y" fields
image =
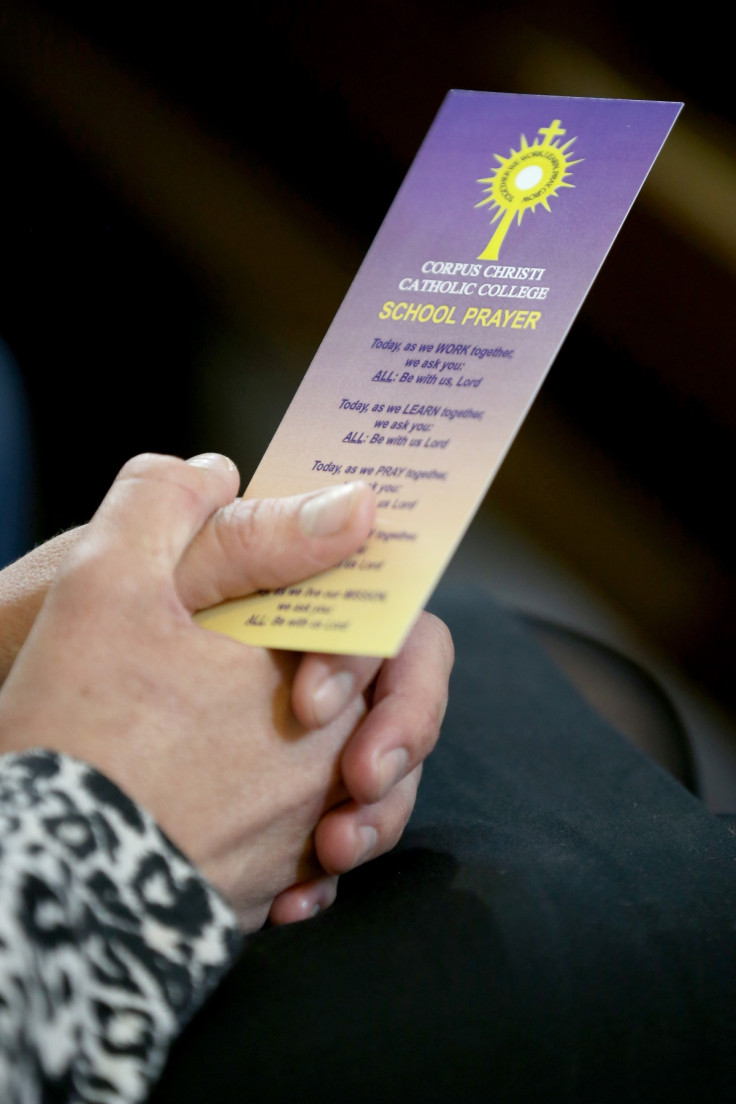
{"x": 527, "y": 177}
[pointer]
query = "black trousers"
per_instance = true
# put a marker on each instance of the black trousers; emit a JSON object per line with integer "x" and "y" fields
{"x": 558, "y": 924}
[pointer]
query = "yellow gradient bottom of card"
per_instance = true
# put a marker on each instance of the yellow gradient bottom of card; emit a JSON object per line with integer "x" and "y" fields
{"x": 355, "y": 610}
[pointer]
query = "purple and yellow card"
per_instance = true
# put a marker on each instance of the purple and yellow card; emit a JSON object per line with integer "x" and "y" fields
{"x": 441, "y": 345}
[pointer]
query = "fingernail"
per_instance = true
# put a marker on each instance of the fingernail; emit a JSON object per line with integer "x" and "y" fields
{"x": 328, "y": 512}
{"x": 211, "y": 460}
{"x": 367, "y": 840}
{"x": 391, "y": 768}
{"x": 332, "y": 695}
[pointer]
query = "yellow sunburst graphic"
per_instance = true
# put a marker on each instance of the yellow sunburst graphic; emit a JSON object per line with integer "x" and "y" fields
{"x": 527, "y": 177}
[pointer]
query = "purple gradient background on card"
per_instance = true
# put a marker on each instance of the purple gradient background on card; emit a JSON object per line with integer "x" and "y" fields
{"x": 436, "y": 217}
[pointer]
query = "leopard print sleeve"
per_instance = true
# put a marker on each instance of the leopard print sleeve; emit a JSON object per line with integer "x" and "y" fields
{"x": 109, "y": 938}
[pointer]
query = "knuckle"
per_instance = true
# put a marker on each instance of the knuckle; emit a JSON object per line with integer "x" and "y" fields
{"x": 255, "y": 522}
{"x": 165, "y": 475}
{"x": 148, "y": 464}
{"x": 421, "y": 722}
{"x": 203, "y": 488}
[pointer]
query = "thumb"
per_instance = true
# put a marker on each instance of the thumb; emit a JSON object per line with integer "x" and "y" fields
{"x": 255, "y": 544}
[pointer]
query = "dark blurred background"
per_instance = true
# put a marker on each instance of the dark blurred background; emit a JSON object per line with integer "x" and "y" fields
{"x": 186, "y": 196}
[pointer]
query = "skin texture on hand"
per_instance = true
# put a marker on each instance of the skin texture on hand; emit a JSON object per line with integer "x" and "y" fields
{"x": 193, "y": 725}
{"x": 245, "y": 545}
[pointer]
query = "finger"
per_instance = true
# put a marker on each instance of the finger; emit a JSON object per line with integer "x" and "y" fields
{"x": 352, "y": 834}
{"x": 263, "y": 543}
{"x": 326, "y": 684}
{"x": 300, "y": 902}
{"x": 153, "y": 510}
{"x": 403, "y": 725}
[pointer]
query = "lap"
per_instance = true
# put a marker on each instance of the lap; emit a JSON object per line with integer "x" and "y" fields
{"x": 556, "y": 923}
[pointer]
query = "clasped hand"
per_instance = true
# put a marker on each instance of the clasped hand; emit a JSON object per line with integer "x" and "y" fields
{"x": 273, "y": 772}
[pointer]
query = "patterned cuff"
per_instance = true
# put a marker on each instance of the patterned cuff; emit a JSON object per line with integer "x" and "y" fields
{"x": 109, "y": 938}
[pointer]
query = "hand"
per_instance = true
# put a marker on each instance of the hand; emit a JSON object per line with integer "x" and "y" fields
{"x": 409, "y": 696}
{"x": 381, "y": 764}
{"x": 133, "y": 686}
